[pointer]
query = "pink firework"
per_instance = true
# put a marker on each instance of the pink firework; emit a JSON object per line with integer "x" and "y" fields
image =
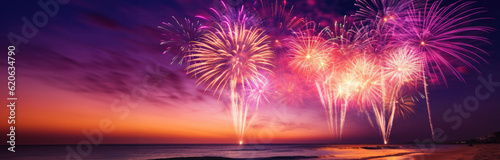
{"x": 310, "y": 51}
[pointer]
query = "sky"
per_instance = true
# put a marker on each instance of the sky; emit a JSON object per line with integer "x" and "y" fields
{"x": 100, "y": 61}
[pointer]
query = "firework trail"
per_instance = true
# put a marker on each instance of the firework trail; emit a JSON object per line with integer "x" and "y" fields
{"x": 440, "y": 34}
{"x": 325, "y": 84}
{"x": 232, "y": 57}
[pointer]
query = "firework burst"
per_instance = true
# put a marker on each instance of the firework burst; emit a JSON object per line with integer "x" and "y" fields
{"x": 278, "y": 21}
{"x": 444, "y": 33}
{"x": 404, "y": 103}
{"x": 290, "y": 90}
{"x": 180, "y": 37}
{"x": 310, "y": 52}
{"x": 233, "y": 58}
{"x": 366, "y": 72}
{"x": 403, "y": 65}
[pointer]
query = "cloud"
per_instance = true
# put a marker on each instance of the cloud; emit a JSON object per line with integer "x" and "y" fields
{"x": 101, "y": 56}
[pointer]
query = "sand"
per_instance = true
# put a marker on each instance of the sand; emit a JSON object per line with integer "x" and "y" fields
{"x": 463, "y": 152}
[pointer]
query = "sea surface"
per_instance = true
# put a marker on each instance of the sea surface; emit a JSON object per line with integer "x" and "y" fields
{"x": 219, "y": 151}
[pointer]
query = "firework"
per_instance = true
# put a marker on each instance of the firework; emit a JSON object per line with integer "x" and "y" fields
{"x": 404, "y": 103}
{"x": 311, "y": 56}
{"x": 366, "y": 72}
{"x": 278, "y": 21}
{"x": 381, "y": 10}
{"x": 233, "y": 58}
{"x": 230, "y": 14}
{"x": 362, "y": 83}
{"x": 403, "y": 65}
{"x": 326, "y": 85}
{"x": 440, "y": 34}
{"x": 373, "y": 62}
{"x": 260, "y": 91}
{"x": 310, "y": 51}
{"x": 290, "y": 90}
{"x": 180, "y": 37}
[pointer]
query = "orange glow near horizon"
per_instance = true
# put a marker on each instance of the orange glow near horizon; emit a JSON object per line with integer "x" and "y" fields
{"x": 61, "y": 116}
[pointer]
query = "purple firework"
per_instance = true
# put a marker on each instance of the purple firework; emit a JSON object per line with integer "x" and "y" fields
{"x": 441, "y": 34}
{"x": 382, "y": 10}
{"x": 444, "y": 33}
{"x": 180, "y": 37}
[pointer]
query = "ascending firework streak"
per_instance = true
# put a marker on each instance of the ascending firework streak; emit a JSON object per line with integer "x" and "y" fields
{"x": 232, "y": 57}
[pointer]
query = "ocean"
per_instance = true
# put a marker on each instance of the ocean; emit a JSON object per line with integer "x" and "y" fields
{"x": 218, "y": 151}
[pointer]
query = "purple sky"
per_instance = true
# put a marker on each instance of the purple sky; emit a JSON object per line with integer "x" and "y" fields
{"x": 99, "y": 50}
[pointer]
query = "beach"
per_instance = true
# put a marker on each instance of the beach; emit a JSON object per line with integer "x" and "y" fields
{"x": 265, "y": 152}
{"x": 464, "y": 152}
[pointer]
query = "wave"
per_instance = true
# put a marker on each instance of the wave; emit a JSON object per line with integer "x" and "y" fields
{"x": 249, "y": 149}
{"x": 369, "y": 147}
